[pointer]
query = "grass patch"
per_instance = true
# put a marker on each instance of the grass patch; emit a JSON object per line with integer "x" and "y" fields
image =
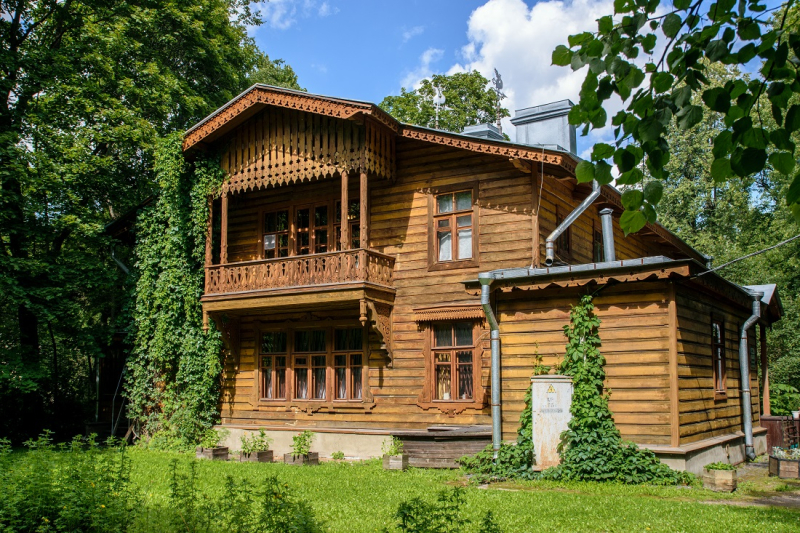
{"x": 363, "y": 497}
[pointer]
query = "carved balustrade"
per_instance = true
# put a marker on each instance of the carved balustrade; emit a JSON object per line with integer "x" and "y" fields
{"x": 351, "y": 266}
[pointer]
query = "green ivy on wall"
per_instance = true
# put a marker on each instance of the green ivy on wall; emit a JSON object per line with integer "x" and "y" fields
{"x": 592, "y": 448}
{"x": 173, "y": 380}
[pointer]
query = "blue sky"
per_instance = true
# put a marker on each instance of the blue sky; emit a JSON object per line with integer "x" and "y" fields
{"x": 368, "y": 49}
{"x": 363, "y": 49}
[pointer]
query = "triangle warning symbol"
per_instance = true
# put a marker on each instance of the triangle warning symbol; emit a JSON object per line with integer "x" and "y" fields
{"x": 551, "y": 389}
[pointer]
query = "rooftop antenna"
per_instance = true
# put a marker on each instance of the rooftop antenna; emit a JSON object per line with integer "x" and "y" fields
{"x": 438, "y": 101}
{"x": 497, "y": 81}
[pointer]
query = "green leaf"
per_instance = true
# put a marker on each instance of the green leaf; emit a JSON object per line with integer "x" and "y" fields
{"x": 624, "y": 160}
{"x": 721, "y": 169}
{"x": 631, "y": 177}
{"x": 603, "y": 173}
{"x": 722, "y": 144}
{"x": 716, "y": 50}
{"x": 793, "y": 194}
{"x": 717, "y": 99}
{"x": 671, "y": 26}
{"x": 602, "y": 151}
{"x": 632, "y": 221}
{"x": 690, "y": 116}
{"x": 649, "y": 213}
{"x": 752, "y": 160}
{"x": 584, "y": 172}
{"x": 632, "y": 199}
{"x": 649, "y": 129}
{"x": 605, "y": 24}
{"x": 661, "y": 81}
{"x": 653, "y": 191}
{"x": 781, "y": 139}
{"x": 562, "y": 56}
{"x": 748, "y": 30}
{"x": 783, "y": 162}
{"x": 792, "y": 123}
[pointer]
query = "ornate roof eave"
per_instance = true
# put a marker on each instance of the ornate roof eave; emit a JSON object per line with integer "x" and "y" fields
{"x": 258, "y": 96}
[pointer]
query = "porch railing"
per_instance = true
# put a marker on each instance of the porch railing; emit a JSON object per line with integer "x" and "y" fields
{"x": 350, "y": 266}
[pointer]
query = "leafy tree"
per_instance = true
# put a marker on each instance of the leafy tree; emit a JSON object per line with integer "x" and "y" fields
{"x": 468, "y": 101}
{"x": 88, "y": 87}
{"x": 274, "y": 72}
{"x": 682, "y": 41}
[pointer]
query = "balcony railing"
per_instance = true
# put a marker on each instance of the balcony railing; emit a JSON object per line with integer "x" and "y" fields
{"x": 351, "y": 266}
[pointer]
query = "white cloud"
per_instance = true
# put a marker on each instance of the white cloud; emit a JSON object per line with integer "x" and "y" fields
{"x": 283, "y": 14}
{"x": 424, "y": 70}
{"x": 325, "y": 10}
{"x": 518, "y": 41}
{"x": 413, "y": 32}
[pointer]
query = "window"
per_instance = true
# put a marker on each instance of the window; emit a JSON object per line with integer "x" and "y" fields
{"x": 318, "y": 370}
{"x": 718, "y": 355}
{"x": 453, "y": 350}
{"x": 276, "y": 234}
{"x": 273, "y": 367}
{"x": 453, "y": 227}
{"x": 598, "y": 250}
{"x": 353, "y": 221}
{"x": 311, "y": 230}
{"x": 348, "y": 351}
{"x": 564, "y": 241}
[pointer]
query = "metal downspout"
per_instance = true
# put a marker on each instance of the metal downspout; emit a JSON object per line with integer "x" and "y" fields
{"x": 607, "y": 224}
{"x": 744, "y": 369}
{"x": 572, "y": 217}
{"x": 497, "y": 435}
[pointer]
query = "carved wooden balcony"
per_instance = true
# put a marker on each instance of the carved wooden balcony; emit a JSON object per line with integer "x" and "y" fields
{"x": 320, "y": 271}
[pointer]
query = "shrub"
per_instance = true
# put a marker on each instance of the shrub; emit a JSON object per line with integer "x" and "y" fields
{"x": 785, "y": 453}
{"x": 441, "y": 516}
{"x": 392, "y": 446}
{"x": 301, "y": 443}
{"x": 76, "y": 486}
{"x": 337, "y": 456}
{"x": 211, "y": 438}
{"x": 255, "y": 442}
{"x": 783, "y": 399}
{"x": 719, "y": 466}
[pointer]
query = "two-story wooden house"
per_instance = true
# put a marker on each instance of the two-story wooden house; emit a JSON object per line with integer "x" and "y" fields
{"x": 342, "y": 269}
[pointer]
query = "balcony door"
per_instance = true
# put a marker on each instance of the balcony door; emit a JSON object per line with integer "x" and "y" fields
{"x": 307, "y": 229}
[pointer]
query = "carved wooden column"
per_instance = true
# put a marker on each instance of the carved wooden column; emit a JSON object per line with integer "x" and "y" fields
{"x": 345, "y": 244}
{"x": 223, "y": 241}
{"x": 764, "y": 371}
{"x": 364, "y": 206}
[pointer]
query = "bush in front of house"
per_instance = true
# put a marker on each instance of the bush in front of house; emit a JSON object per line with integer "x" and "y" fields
{"x": 444, "y": 515}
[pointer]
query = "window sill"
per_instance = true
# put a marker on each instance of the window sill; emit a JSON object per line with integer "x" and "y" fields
{"x": 453, "y": 265}
{"x": 317, "y": 405}
{"x": 720, "y": 396}
{"x": 452, "y": 407}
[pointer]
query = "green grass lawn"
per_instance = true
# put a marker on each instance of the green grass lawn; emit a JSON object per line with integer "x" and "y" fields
{"x": 356, "y": 497}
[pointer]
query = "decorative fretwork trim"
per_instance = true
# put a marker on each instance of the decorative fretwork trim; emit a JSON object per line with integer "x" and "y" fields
{"x": 452, "y": 311}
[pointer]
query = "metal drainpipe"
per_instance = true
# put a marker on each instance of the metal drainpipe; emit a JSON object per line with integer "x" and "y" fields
{"x": 744, "y": 369}
{"x": 607, "y": 223}
{"x": 497, "y": 435}
{"x": 572, "y": 217}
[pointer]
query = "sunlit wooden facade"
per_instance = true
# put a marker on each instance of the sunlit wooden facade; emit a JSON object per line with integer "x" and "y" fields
{"x": 340, "y": 269}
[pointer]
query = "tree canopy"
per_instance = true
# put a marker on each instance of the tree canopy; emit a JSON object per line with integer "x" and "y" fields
{"x": 758, "y": 117}
{"x": 88, "y": 89}
{"x": 468, "y": 101}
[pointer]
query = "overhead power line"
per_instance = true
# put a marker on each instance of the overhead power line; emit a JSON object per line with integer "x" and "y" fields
{"x": 790, "y": 239}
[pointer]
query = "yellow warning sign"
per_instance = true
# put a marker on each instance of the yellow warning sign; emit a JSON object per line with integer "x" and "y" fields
{"x": 551, "y": 389}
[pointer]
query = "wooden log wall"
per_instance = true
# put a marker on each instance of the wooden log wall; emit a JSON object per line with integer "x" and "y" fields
{"x": 634, "y": 330}
{"x": 701, "y": 416}
{"x": 635, "y": 342}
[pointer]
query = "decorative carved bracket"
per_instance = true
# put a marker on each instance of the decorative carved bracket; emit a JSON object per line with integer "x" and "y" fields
{"x": 228, "y": 326}
{"x": 380, "y": 317}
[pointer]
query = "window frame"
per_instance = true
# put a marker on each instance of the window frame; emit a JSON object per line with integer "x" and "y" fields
{"x": 433, "y": 242}
{"x": 262, "y": 214}
{"x": 563, "y": 244}
{"x": 427, "y": 398}
{"x": 598, "y": 245}
{"x": 719, "y": 361}
{"x": 292, "y": 370}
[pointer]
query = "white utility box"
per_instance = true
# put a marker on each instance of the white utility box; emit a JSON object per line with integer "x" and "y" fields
{"x": 551, "y": 399}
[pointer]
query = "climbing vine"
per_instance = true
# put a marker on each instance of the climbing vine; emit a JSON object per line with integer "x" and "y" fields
{"x": 173, "y": 372}
{"x": 592, "y": 448}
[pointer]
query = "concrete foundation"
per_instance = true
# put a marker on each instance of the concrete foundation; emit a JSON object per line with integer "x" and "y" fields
{"x": 355, "y": 446}
{"x": 725, "y": 449}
